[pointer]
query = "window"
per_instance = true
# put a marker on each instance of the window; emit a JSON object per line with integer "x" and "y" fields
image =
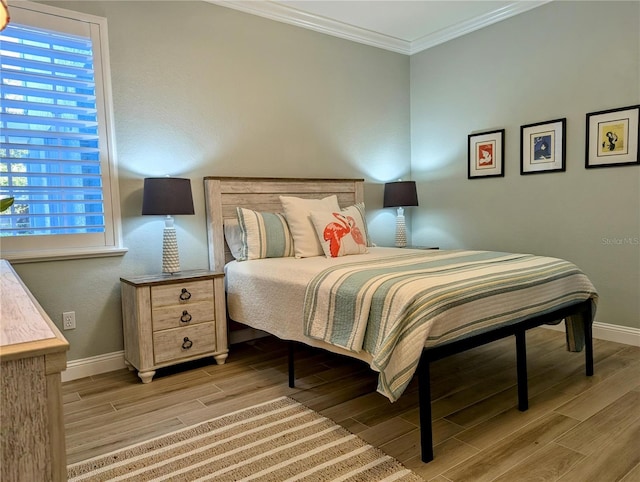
{"x": 56, "y": 147}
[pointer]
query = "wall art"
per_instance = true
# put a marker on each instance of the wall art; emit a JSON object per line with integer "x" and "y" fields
{"x": 612, "y": 137}
{"x": 486, "y": 154}
{"x": 543, "y": 146}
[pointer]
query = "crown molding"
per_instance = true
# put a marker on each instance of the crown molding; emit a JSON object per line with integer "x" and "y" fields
{"x": 473, "y": 24}
{"x": 282, "y": 13}
{"x": 292, "y": 16}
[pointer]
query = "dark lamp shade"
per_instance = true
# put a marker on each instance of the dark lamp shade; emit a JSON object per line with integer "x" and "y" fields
{"x": 399, "y": 194}
{"x": 167, "y": 196}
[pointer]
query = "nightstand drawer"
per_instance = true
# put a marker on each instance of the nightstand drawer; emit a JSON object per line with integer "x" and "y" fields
{"x": 181, "y": 293}
{"x": 185, "y": 315}
{"x": 169, "y": 345}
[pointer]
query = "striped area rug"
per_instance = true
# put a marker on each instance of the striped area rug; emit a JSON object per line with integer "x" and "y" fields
{"x": 273, "y": 441}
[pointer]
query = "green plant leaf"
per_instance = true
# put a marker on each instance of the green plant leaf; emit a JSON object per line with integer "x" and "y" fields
{"x": 5, "y": 203}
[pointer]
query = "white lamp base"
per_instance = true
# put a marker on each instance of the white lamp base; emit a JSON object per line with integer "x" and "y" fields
{"x": 401, "y": 229}
{"x": 170, "y": 258}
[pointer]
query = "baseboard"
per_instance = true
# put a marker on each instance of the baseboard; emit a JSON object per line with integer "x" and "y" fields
{"x": 608, "y": 332}
{"x": 109, "y": 362}
{"x": 86, "y": 367}
{"x": 95, "y": 365}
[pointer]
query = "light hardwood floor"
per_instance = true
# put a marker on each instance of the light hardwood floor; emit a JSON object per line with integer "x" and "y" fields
{"x": 577, "y": 428}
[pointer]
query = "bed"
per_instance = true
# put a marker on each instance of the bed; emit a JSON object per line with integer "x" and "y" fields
{"x": 396, "y": 309}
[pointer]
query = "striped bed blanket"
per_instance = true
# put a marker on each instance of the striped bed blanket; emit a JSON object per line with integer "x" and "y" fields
{"x": 393, "y": 307}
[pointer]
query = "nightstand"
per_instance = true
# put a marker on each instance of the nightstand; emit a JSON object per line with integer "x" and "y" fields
{"x": 171, "y": 319}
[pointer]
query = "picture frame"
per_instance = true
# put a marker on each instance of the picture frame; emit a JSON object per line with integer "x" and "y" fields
{"x": 486, "y": 154}
{"x": 543, "y": 147}
{"x": 612, "y": 137}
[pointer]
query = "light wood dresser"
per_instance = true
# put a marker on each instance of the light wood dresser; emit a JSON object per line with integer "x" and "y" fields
{"x": 170, "y": 319}
{"x": 32, "y": 355}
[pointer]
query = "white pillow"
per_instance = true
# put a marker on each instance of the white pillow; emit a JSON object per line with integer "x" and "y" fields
{"x": 297, "y": 211}
{"x": 341, "y": 232}
{"x": 233, "y": 236}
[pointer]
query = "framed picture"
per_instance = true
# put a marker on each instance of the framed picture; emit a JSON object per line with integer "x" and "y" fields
{"x": 612, "y": 137}
{"x": 543, "y": 147}
{"x": 486, "y": 158}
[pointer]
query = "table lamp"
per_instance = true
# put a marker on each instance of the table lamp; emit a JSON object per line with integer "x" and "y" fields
{"x": 168, "y": 196}
{"x": 400, "y": 194}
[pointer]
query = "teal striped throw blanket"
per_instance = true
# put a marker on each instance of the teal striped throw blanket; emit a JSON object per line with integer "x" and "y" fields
{"x": 392, "y": 307}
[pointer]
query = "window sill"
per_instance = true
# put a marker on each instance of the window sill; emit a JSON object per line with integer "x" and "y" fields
{"x": 61, "y": 255}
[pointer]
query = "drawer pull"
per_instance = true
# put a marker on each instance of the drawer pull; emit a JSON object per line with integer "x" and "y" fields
{"x": 186, "y": 317}
{"x": 185, "y": 295}
{"x": 186, "y": 344}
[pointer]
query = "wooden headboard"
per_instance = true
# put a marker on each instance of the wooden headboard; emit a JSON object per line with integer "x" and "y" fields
{"x": 224, "y": 194}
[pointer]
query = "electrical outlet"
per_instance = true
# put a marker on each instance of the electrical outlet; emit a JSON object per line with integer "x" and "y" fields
{"x": 69, "y": 320}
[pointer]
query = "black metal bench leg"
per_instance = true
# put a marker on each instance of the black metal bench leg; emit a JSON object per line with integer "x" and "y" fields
{"x": 521, "y": 360}
{"x": 424, "y": 397}
{"x": 292, "y": 378}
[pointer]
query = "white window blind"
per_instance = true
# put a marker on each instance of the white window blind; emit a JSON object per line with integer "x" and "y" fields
{"x": 53, "y": 144}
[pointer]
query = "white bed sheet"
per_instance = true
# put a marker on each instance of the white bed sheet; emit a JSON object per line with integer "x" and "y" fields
{"x": 268, "y": 294}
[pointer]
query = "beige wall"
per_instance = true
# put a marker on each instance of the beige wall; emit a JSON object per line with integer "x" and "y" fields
{"x": 564, "y": 59}
{"x": 205, "y": 90}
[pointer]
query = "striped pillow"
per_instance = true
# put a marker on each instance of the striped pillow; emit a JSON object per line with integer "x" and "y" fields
{"x": 264, "y": 235}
